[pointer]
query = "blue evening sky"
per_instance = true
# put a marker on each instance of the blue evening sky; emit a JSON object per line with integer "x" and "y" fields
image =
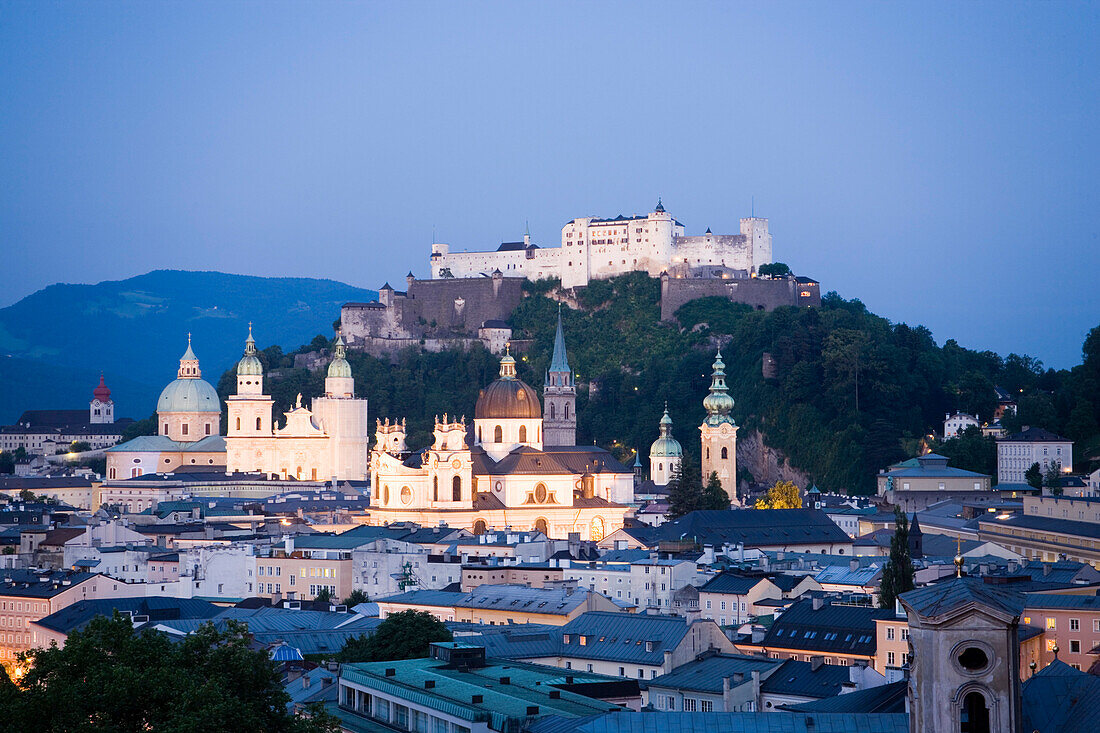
{"x": 940, "y": 161}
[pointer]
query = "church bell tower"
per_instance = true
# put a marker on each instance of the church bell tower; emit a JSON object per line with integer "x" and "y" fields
{"x": 559, "y": 393}
{"x": 719, "y": 433}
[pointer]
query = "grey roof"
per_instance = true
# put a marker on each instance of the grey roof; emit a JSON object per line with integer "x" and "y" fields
{"x": 1046, "y": 524}
{"x": 1062, "y": 600}
{"x": 842, "y": 575}
{"x": 706, "y": 673}
{"x": 78, "y": 615}
{"x": 518, "y": 598}
{"x": 1061, "y": 698}
{"x": 609, "y": 636}
{"x": 801, "y": 679}
{"x": 754, "y": 527}
{"x": 955, "y": 594}
{"x": 559, "y": 362}
{"x": 1034, "y": 435}
{"x": 833, "y": 628}
{"x": 772, "y": 722}
{"x": 39, "y": 584}
{"x": 317, "y": 691}
{"x": 888, "y": 698}
{"x": 732, "y": 583}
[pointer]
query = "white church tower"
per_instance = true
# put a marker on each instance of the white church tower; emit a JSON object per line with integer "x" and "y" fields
{"x": 343, "y": 418}
{"x": 101, "y": 410}
{"x": 666, "y": 454}
{"x": 249, "y": 410}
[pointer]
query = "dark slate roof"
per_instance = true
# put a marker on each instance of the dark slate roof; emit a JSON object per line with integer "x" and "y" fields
{"x": 706, "y": 673}
{"x": 754, "y": 527}
{"x": 954, "y": 594}
{"x": 1061, "y": 698}
{"x": 34, "y": 584}
{"x": 157, "y": 608}
{"x": 888, "y": 698}
{"x": 18, "y": 483}
{"x": 1033, "y": 435}
{"x": 833, "y": 628}
{"x": 800, "y": 678}
{"x": 732, "y": 583}
{"x": 771, "y": 722}
{"x": 1045, "y": 524}
{"x": 1062, "y": 600}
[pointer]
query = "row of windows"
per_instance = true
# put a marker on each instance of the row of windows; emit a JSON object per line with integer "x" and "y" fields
{"x": 184, "y": 428}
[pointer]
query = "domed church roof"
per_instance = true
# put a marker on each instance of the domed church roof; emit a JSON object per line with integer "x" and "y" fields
{"x": 189, "y": 392}
{"x": 250, "y": 365}
{"x": 507, "y": 396}
{"x": 102, "y": 392}
{"x": 666, "y": 446}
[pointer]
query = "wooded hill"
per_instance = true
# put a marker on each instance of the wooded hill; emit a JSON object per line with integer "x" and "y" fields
{"x": 851, "y": 394}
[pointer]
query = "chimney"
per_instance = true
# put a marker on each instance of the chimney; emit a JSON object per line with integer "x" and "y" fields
{"x": 305, "y": 681}
{"x": 816, "y": 662}
{"x": 819, "y": 602}
{"x": 853, "y": 565}
{"x": 1046, "y": 569}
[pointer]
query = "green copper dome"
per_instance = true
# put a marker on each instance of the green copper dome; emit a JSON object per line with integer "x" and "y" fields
{"x": 249, "y": 365}
{"x": 189, "y": 392}
{"x": 339, "y": 366}
{"x": 718, "y": 403}
{"x": 666, "y": 446}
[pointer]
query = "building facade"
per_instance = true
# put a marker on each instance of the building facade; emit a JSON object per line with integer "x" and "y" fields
{"x": 1016, "y": 453}
{"x": 597, "y": 249}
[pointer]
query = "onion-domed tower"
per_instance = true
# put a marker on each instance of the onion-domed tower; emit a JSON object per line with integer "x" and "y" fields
{"x": 188, "y": 408}
{"x": 508, "y": 413}
{"x": 666, "y": 453}
{"x": 719, "y": 432}
{"x": 249, "y": 410}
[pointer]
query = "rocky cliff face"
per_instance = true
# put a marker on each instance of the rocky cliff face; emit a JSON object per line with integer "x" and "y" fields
{"x": 767, "y": 465}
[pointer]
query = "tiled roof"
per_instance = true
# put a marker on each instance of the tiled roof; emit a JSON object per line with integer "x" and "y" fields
{"x": 888, "y": 698}
{"x": 832, "y": 628}
{"x": 706, "y": 673}
{"x": 754, "y": 527}
{"x": 732, "y": 583}
{"x": 951, "y": 595}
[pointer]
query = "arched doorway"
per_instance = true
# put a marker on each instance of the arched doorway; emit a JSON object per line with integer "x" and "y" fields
{"x": 974, "y": 716}
{"x": 541, "y": 526}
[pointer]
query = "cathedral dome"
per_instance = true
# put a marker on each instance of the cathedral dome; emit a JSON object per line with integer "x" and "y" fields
{"x": 189, "y": 395}
{"x": 507, "y": 396}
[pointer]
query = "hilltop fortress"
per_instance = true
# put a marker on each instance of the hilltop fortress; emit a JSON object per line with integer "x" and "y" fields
{"x": 598, "y": 249}
{"x": 471, "y": 295}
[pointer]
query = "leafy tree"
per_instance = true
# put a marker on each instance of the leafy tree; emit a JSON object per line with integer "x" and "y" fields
{"x": 1052, "y": 477}
{"x": 970, "y": 451}
{"x": 7, "y": 462}
{"x": 783, "y": 495}
{"x": 78, "y": 446}
{"x": 27, "y": 495}
{"x": 324, "y": 595}
{"x": 356, "y": 597}
{"x": 714, "y": 496}
{"x": 146, "y": 426}
{"x": 897, "y": 575}
{"x": 403, "y": 635}
{"x": 1034, "y": 476}
{"x": 108, "y": 677}
{"x": 774, "y": 269}
{"x": 685, "y": 492}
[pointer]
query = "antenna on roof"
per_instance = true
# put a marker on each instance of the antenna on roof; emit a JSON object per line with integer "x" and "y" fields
{"x": 752, "y": 208}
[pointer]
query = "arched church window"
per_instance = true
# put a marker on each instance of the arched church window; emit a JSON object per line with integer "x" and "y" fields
{"x": 298, "y": 473}
{"x": 313, "y": 473}
{"x": 974, "y": 716}
{"x": 479, "y": 526}
{"x": 725, "y": 453}
{"x": 479, "y": 438}
{"x": 386, "y": 494}
{"x": 258, "y": 423}
{"x": 596, "y": 533}
{"x": 165, "y": 431}
{"x": 435, "y": 488}
{"x": 708, "y": 454}
{"x": 498, "y": 434}
{"x": 238, "y": 423}
{"x": 183, "y": 428}
{"x": 566, "y": 408}
{"x": 456, "y": 488}
{"x": 660, "y": 466}
{"x": 208, "y": 428}
{"x": 523, "y": 433}
{"x": 541, "y": 526}
{"x": 553, "y": 411}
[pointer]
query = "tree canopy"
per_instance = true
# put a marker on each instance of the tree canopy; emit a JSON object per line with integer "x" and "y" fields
{"x": 898, "y": 573}
{"x": 403, "y": 635}
{"x": 110, "y": 679}
{"x": 783, "y": 495}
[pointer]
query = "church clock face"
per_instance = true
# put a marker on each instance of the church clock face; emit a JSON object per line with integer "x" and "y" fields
{"x": 456, "y": 463}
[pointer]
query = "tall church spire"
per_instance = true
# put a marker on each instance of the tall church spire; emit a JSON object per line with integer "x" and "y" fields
{"x": 718, "y": 403}
{"x": 559, "y": 392}
{"x": 559, "y": 362}
{"x": 718, "y": 433}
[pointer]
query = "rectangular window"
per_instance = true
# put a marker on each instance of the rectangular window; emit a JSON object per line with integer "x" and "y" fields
{"x": 689, "y": 705}
{"x": 889, "y": 633}
{"x": 890, "y": 658}
{"x": 1075, "y": 624}
{"x": 1074, "y": 646}
{"x": 1052, "y": 623}
{"x": 706, "y": 706}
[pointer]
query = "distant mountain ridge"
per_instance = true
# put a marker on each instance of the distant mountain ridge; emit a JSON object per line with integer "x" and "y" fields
{"x": 54, "y": 342}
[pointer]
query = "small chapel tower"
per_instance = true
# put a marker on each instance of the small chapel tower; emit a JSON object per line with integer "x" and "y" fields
{"x": 666, "y": 453}
{"x": 719, "y": 433}
{"x": 559, "y": 419}
{"x": 101, "y": 410}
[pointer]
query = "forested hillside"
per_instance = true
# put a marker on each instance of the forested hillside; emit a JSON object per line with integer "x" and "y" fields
{"x": 852, "y": 392}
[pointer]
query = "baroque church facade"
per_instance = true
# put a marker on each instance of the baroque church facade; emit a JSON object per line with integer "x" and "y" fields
{"x": 512, "y": 467}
